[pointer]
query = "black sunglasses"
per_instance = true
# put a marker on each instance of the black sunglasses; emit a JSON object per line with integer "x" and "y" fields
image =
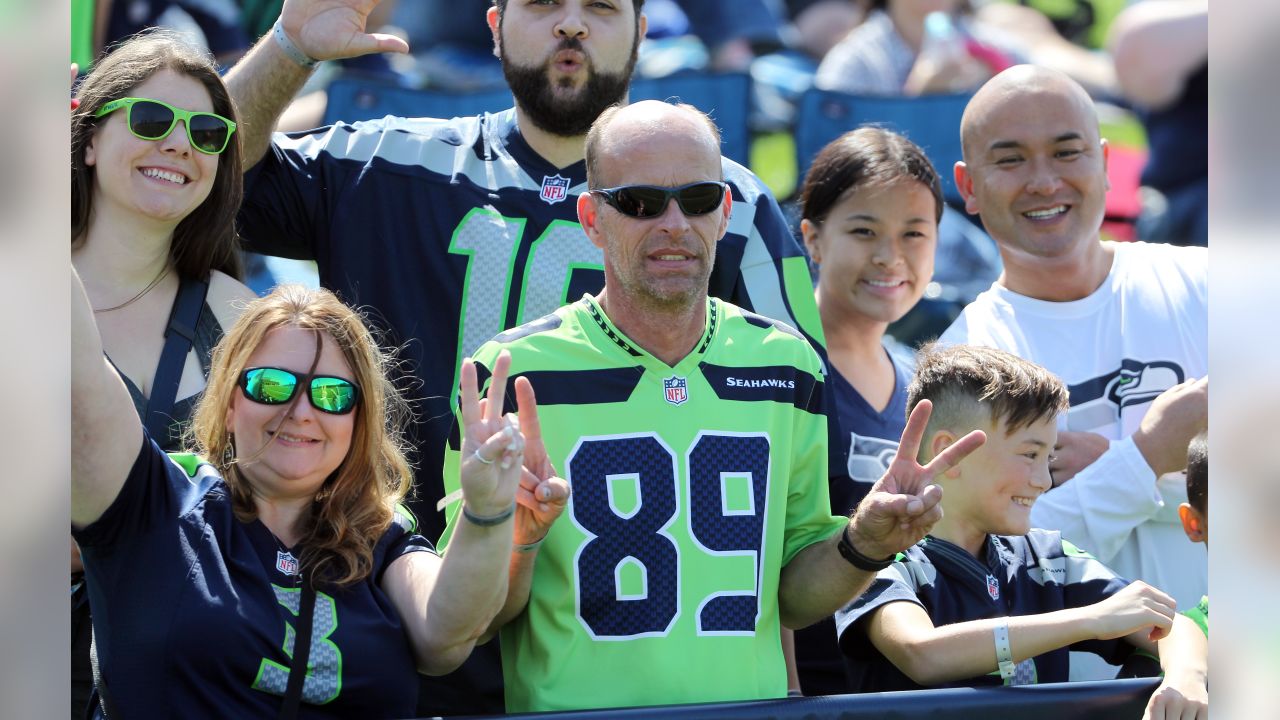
{"x": 648, "y": 201}
{"x": 276, "y": 386}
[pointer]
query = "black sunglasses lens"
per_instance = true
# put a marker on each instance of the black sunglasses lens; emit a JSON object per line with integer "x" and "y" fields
{"x": 333, "y": 395}
{"x": 149, "y": 120}
{"x": 641, "y": 202}
{"x": 700, "y": 199}
{"x": 209, "y": 133}
{"x": 270, "y": 386}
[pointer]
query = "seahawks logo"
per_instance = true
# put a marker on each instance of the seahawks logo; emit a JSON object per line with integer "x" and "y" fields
{"x": 869, "y": 457}
{"x": 1100, "y": 400}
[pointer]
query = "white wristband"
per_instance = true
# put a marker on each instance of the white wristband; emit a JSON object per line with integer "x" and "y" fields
{"x": 1004, "y": 653}
{"x": 293, "y": 51}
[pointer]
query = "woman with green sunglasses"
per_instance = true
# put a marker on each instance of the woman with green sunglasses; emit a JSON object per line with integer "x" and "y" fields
{"x": 284, "y": 535}
{"x": 155, "y": 186}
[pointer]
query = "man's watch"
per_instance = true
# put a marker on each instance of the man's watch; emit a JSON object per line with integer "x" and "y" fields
{"x": 857, "y": 559}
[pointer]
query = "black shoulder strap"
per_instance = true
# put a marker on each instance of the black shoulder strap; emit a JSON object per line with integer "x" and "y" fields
{"x": 301, "y": 653}
{"x": 178, "y": 337}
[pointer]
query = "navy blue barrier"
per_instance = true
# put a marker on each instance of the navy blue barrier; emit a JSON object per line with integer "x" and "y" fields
{"x": 930, "y": 121}
{"x": 1106, "y": 700}
{"x": 726, "y": 97}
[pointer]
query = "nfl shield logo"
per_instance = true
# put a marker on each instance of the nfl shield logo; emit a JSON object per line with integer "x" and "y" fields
{"x": 286, "y": 563}
{"x": 554, "y": 189}
{"x": 676, "y": 389}
{"x": 993, "y": 587}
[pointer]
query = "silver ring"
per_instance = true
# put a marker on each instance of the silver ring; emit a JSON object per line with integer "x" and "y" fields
{"x": 480, "y": 457}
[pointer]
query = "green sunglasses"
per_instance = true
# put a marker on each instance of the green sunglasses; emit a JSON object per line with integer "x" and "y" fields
{"x": 154, "y": 120}
{"x": 276, "y": 386}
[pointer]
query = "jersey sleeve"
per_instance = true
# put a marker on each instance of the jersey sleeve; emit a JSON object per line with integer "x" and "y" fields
{"x": 157, "y": 490}
{"x": 288, "y": 193}
{"x": 1200, "y": 615}
{"x": 1089, "y": 581}
{"x": 896, "y": 583}
{"x": 809, "y": 519}
{"x": 400, "y": 539}
{"x": 760, "y": 265}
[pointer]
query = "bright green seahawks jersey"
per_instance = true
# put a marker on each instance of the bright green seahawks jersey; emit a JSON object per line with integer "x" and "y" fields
{"x": 692, "y": 486}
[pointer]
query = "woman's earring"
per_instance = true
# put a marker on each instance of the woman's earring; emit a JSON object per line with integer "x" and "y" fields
{"x": 229, "y": 451}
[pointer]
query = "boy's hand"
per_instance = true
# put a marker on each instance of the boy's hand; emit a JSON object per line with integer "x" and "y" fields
{"x": 1179, "y": 698}
{"x": 903, "y": 504}
{"x": 1134, "y": 608}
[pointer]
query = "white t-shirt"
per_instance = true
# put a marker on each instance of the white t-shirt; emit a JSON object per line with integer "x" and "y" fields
{"x": 1142, "y": 331}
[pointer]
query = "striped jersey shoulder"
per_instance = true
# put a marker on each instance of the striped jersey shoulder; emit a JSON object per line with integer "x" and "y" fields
{"x": 776, "y": 338}
{"x": 749, "y": 188}
{"x": 552, "y": 339}
{"x": 471, "y": 147}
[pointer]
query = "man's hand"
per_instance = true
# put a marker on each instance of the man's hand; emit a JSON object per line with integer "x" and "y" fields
{"x": 1177, "y": 415}
{"x": 542, "y": 496}
{"x": 333, "y": 29}
{"x": 903, "y": 504}
{"x": 1074, "y": 452}
{"x": 1134, "y": 608}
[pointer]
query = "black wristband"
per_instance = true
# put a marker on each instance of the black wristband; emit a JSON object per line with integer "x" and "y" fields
{"x": 491, "y": 520}
{"x": 857, "y": 559}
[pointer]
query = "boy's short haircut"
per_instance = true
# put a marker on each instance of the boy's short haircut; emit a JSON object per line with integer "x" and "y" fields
{"x": 1198, "y": 472}
{"x": 961, "y": 379}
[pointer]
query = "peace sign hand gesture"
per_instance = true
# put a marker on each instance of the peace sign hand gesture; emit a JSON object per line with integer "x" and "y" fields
{"x": 492, "y": 445}
{"x": 542, "y": 495}
{"x": 903, "y": 504}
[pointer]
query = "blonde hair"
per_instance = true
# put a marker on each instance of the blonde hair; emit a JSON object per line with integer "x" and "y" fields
{"x": 357, "y": 502}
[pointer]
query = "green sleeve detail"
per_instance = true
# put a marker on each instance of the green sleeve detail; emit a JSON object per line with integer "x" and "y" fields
{"x": 798, "y": 284}
{"x": 900, "y": 557}
{"x": 410, "y": 520}
{"x": 189, "y": 462}
{"x": 1072, "y": 551}
{"x": 1200, "y": 615}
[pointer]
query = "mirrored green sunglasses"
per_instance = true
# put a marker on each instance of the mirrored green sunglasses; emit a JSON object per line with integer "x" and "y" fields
{"x": 276, "y": 386}
{"x": 154, "y": 120}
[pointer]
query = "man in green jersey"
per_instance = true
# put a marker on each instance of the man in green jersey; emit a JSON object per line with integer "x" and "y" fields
{"x": 693, "y": 436}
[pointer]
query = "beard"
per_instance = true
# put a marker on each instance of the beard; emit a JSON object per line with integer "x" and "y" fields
{"x": 566, "y": 116}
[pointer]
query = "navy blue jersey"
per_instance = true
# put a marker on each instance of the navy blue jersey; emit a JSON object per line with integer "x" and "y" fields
{"x": 863, "y": 442}
{"x": 1019, "y": 575}
{"x": 866, "y": 438}
{"x": 453, "y": 230}
{"x": 194, "y": 610}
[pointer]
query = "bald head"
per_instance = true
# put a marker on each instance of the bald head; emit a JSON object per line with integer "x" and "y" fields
{"x": 1011, "y": 93}
{"x": 648, "y": 126}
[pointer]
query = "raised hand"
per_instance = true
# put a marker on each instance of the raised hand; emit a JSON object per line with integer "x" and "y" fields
{"x": 333, "y": 29}
{"x": 1134, "y": 608}
{"x": 492, "y": 445}
{"x": 903, "y": 504}
{"x": 541, "y": 496}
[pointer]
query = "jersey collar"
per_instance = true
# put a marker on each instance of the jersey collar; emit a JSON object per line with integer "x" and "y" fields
{"x": 626, "y": 345}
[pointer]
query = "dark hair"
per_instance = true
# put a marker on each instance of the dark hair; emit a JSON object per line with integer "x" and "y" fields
{"x": 956, "y": 377}
{"x": 502, "y": 7}
{"x": 866, "y": 156}
{"x": 1198, "y": 472}
{"x": 591, "y": 147}
{"x": 205, "y": 239}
